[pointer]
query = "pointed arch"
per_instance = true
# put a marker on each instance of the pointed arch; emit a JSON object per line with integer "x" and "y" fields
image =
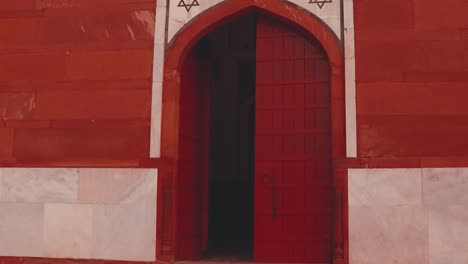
{"x": 186, "y": 38}
{"x": 176, "y": 52}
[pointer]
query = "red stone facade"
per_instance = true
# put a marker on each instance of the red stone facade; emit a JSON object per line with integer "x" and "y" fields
{"x": 75, "y": 82}
{"x": 76, "y": 78}
{"x": 412, "y": 80}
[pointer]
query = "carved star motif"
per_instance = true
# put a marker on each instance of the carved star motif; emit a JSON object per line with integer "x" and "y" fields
{"x": 320, "y": 3}
{"x": 188, "y": 6}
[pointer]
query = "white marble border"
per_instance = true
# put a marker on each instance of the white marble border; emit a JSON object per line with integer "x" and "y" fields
{"x": 350, "y": 79}
{"x": 158, "y": 70}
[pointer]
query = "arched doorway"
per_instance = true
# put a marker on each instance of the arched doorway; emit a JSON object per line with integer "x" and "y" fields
{"x": 296, "y": 136}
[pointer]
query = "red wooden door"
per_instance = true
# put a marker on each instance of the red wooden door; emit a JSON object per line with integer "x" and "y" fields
{"x": 192, "y": 178}
{"x": 292, "y": 148}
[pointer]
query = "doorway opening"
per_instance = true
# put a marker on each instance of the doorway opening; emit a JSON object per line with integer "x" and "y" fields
{"x": 254, "y": 171}
{"x": 231, "y": 176}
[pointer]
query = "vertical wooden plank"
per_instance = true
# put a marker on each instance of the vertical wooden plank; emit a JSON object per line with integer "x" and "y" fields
{"x": 192, "y": 179}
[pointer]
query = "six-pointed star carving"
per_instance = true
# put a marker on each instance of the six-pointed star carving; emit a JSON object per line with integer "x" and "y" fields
{"x": 320, "y": 3}
{"x": 188, "y": 6}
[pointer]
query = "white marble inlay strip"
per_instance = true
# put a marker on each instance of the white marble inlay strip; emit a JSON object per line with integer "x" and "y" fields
{"x": 158, "y": 70}
{"x": 350, "y": 79}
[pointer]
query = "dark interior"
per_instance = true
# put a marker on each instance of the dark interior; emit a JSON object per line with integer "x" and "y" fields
{"x": 231, "y": 49}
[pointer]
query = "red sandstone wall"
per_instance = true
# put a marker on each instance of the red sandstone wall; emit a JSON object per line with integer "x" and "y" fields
{"x": 75, "y": 81}
{"x": 412, "y": 78}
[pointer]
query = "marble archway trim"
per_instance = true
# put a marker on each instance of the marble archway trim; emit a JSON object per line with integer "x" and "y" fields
{"x": 171, "y": 16}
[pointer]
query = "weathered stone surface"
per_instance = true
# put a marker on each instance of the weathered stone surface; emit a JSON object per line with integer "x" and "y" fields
{"x": 39, "y": 185}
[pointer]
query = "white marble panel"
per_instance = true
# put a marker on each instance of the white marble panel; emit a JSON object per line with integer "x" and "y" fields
{"x": 327, "y": 10}
{"x": 448, "y": 235}
{"x": 39, "y": 185}
{"x": 447, "y": 186}
{"x": 158, "y": 72}
{"x": 125, "y": 232}
{"x": 350, "y": 78}
{"x": 117, "y": 186}
{"x": 349, "y": 45}
{"x": 156, "y": 120}
{"x": 388, "y": 234}
{"x": 384, "y": 186}
{"x": 160, "y": 25}
{"x": 68, "y": 231}
{"x": 351, "y": 118}
{"x": 348, "y": 13}
{"x": 161, "y": 3}
{"x": 21, "y": 229}
{"x": 158, "y": 62}
{"x": 178, "y": 16}
{"x": 334, "y": 22}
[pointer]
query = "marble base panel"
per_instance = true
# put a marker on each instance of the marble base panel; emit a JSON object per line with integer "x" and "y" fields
{"x": 78, "y": 213}
{"x": 417, "y": 216}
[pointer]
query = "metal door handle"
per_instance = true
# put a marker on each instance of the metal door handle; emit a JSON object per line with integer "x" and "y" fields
{"x": 270, "y": 179}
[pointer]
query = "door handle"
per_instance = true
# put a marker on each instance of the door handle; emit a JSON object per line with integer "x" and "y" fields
{"x": 270, "y": 179}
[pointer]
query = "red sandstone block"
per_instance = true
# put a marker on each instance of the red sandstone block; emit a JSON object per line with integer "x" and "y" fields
{"x": 86, "y": 104}
{"x": 444, "y": 162}
{"x": 376, "y": 60}
{"x": 465, "y": 34}
{"x": 465, "y": 57}
{"x": 380, "y": 61}
{"x": 6, "y": 144}
{"x": 442, "y": 55}
{"x": 436, "y": 14}
{"x": 81, "y": 144}
{"x": 61, "y": 4}
{"x": 412, "y": 98}
{"x": 27, "y": 124}
{"x": 11, "y": 260}
{"x": 112, "y": 65}
{"x": 407, "y": 34}
{"x": 436, "y": 76}
{"x": 17, "y": 5}
{"x": 60, "y": 8}
{"x": 52, "y": 85}
{"x": 20, "y": 32}
{"x": 75, "y": 163}
{"x": 112, "y": 28}
{"x": 17, "y": 106}
{"x": 391, "y": 162}
{"x": 412, "y": 136}
{"x": 377, "y": 14}
{"x": 102, "y": 123}
{"x": 45, "y": 66}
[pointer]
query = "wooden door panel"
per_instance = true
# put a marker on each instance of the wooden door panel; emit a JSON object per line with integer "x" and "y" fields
{"x": 192, "y": 178}
{"x": 292, "y": 148}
